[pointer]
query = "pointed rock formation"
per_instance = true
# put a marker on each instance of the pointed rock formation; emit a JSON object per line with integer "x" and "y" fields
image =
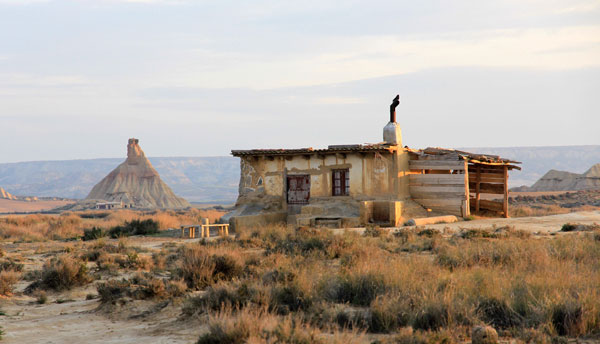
{"x": 566, "y": 181}
{"x": 136, "y": 183}
{"x": 5, "y": 194}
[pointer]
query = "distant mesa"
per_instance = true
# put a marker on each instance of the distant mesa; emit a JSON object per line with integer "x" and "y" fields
{"x": 555, "y": 180}
{"x": 136, "y": 184}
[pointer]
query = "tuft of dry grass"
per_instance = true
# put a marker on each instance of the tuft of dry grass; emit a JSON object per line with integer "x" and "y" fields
{"x": 252, "y": 325}
{"x": 61, "y": 273}
{"x": 8, "y": 278}
{"x": 200, "y": 266}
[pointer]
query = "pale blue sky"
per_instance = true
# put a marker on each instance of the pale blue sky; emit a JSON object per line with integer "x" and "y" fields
{"x": 197, "y": 78}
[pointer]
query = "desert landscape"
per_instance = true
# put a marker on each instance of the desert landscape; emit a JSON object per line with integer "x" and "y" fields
{"x": 66, "y": 279}
{"x": 299, "y": 172}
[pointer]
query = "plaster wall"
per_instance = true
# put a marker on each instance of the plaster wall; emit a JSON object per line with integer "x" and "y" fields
{"x": 372, "y": 175}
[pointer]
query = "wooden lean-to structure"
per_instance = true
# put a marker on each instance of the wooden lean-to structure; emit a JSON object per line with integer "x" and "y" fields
{"x": 458, "y": 182}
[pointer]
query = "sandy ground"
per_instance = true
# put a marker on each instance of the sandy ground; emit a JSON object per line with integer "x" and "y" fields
{"x": 536, "y": 224}
{"x": 10, "y": 206}
{"x": 82, "y": 321}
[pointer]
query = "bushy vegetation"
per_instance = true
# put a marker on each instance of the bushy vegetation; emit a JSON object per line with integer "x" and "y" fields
{"x": 69, "y": 225}
{"x": 277, "y": 284}
{"x": 61, "y": 273}
{"x": 134, "y": 227}
{"x": 93, "y": 234}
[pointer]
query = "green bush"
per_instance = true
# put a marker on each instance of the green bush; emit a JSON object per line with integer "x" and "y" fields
{"x": 9, "y": 264}
{"x": 567, "y": 319}
{"x": 498, "y": 314}
{"x": 432, "y": 317}
{"x": 568, "y": 227}
{"x": 289, "y": 298}
{"x": 93, "y": 234}
{"x": 134, "y": 227}
{"x": 357, "y": 289}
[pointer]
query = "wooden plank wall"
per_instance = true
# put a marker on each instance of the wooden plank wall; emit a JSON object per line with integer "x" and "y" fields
{"x": 434, "y": 186}
{"x": 488, "y": 179}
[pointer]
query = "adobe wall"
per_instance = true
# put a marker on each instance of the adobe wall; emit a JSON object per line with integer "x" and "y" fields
{"x": 372, "y": 175}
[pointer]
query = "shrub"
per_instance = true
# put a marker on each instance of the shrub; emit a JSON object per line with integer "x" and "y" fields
{"x": 289, "y": 298}
{"x": 567, "y": 319}
{"x": 477, "y": 233}
{"x": 10, "y": 265}
{"x": 215, "y": 298}
{"x": 41, "y": 297}
{"x": 62, "y": 273}
{"x": 358, "y": 289}
{"x": 375, "y": 231}
{"x": 93, "y": 234}
{"x": 135, "y": 227}
{"x": 200, "y": 269}
{"x": 8, "y": 278}
{"x": 568, "y": 227}
{"x": 112, "y": 290}
{"x": 258, "y": 326}
{"x": 498, "y": 313}
{"x": 433, "y": 317}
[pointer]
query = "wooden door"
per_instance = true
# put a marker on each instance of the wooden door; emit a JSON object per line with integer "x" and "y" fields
{"x": 298, "y": 189}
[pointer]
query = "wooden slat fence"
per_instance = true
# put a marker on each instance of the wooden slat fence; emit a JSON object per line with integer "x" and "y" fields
{"x": 440, "y": 185}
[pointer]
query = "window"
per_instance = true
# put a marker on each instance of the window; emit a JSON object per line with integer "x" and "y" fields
{"x": 341, "y": 182}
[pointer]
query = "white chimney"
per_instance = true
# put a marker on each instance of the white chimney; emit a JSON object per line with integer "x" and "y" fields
{"x": 391, "y": 132}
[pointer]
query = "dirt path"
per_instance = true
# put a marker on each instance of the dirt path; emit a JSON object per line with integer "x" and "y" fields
{"x": 80, "y": 322}
{"x": 539, "y": 224}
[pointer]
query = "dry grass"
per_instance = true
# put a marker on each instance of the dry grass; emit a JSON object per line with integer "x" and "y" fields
{"x": 256, "y": 325}
{"x": 417, "y": 286}
{"x": 8, "y": 278}
{"x": 72, "y": 225}
{"x": 61, "y": 273}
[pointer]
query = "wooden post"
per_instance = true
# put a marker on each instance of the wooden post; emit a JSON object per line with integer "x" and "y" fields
{"x": 477, "y": 186}
{"x": 466, "y": 211}
{"x": 182, "y": 232}
{"x": 205, "y": 226}
{"x": 505, "y": 203}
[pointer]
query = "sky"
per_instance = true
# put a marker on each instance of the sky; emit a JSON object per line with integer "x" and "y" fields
{"x": 200, "y": 78}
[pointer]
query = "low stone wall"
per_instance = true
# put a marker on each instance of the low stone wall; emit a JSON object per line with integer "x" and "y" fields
{"x": 253, "y": 221}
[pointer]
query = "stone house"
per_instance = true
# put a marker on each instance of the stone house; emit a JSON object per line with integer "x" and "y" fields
{"x": 353, "y": 185}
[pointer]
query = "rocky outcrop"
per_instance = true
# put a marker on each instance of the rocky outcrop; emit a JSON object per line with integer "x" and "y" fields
{"x": 566, "y": 181}
{"x": 136, "y": 183}
{"x": 6, "y": 195}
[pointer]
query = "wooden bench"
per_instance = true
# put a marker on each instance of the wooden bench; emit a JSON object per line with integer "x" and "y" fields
{"x": 204, "y": 230}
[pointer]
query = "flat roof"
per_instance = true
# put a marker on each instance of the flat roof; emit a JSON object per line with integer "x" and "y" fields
{"x": 332, "y": 149}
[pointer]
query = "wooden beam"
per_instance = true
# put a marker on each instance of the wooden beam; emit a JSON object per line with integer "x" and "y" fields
{"x": 436, "y": 195}
{"x": 438, "y": 188}
{"x": 477, "y": 186}
{"x": 465, "y": 207}
{"x": 433, "y": 203}
{"x": 491, "y": 205}
{"x": 485, "y": 179}
{"x": 436, "y": 165}
{"x": 429, "y": 179}
{"x": 488, "y": 188}
{"x": 505, "y": 203}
